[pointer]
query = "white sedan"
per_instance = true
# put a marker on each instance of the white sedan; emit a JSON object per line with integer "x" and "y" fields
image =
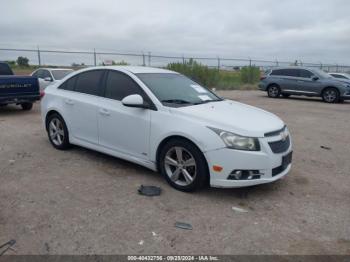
{"x": 49, "y": 76}
{"x": 164, "y": 121}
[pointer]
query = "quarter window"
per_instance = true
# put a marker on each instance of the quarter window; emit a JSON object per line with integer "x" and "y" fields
{"x": 89, "y": 82}
{"x": 69, "y": 84}
{"x": 119, "y": 86}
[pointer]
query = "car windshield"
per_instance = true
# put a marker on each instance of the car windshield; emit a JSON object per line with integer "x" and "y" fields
{"x": 177, "y": 90}
{"x": 321, "y": 73}
{"x": 60, "y": 74}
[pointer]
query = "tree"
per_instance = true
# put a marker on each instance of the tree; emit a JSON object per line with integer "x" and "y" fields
{"x": 23, "y": 61}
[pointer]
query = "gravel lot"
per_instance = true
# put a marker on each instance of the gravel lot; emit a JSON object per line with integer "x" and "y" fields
{"x": 83, "y": 202}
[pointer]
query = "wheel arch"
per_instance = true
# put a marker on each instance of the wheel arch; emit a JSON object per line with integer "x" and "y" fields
{"x": 170, "y": 137}
{"x": 273, "y": 84}
{"x": 325, "y": 88}
{"x": 50, "y": 113}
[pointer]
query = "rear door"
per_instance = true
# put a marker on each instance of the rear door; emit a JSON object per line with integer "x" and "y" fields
{"x": 123, "y": 129}
{"x": 286, "y": 79}
{"x": 81, "y": 105}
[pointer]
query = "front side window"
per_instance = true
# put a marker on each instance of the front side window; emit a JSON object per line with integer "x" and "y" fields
{"x": 46, "y": 74}
{"x": 119, "y": 86}
{"x": 175, "y": 89}
{"x": 89, "y": 82}
{"x": 305, "y": 73}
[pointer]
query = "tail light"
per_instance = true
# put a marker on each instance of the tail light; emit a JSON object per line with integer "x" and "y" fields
{"x": 262, "y": 78}
{"x": 42, "y": 93}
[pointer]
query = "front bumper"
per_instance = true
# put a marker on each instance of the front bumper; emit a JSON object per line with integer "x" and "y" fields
{"x": 268, "y": 164}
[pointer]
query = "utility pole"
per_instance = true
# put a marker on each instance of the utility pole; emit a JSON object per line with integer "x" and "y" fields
{"x": 95, "y": 62}
{"x": 219, "y": 63}
{"x": 39, "y": 57}
{"x": 149, "y": 58}
{"x": 143, "y": 60}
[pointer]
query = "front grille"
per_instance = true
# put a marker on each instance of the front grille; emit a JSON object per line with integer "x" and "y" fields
{"x": 280, "y": 146}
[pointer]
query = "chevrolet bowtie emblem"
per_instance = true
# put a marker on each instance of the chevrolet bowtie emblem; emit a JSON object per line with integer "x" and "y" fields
{"x": 284, "y": 135}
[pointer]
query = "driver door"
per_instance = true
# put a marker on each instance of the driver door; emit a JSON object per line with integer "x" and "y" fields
{"x": 123, "y": 129}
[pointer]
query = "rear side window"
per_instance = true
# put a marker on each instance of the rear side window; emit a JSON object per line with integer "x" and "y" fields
{"x": 89, "y": 82}
{"x": 285, "y": 72}
{"x": 119, "y": 86}
{"x": 305, "y": 73}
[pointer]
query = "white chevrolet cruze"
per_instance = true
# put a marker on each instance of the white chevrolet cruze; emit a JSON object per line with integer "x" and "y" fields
{"x": 164, "y": 121}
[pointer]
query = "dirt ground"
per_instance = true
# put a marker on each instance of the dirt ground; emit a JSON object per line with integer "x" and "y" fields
{"x": 83, "y": 202}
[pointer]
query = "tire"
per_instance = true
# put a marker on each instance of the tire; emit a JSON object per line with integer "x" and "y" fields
{"x": 273, "y": 91}
{"x": 27, "y": 106}
{"x": 286, "y": 95}
{"x": 57, "y": 132}
{"x": 186, "y": 178}
{"x": 330, "y": 95}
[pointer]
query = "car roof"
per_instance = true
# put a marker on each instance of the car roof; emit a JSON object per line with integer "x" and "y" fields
{"x": 142, "y": 69}
{"x": 52, "y": 69}
{"x": 293, "y": 67}
{"x": 137, "y": 69}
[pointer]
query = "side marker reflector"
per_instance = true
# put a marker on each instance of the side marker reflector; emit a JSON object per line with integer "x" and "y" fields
{"x": 217, "y": 168}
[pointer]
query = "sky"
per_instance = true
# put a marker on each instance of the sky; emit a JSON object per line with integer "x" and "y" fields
{"x": 306, "y": 30}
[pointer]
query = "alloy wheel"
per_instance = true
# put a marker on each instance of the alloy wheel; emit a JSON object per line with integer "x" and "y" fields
{"x": 180, "y": 166}
{"x": 273, "y": 91}
{"x": 56, "y": 131}
{"x": 330, "y": 95}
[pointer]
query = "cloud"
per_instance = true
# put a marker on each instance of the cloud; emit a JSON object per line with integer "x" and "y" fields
{"x": 264, "y": 29}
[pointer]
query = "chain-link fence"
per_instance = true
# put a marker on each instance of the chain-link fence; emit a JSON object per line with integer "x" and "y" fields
{"x": 46, "y": 57}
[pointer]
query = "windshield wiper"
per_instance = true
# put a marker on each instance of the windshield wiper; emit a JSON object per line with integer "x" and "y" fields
{"x": 176, "y": 101}
{"x": 208, "y": 101}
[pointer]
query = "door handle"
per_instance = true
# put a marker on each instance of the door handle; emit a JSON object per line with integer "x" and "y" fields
{"x": 104, "y": 112}
{"x": 69, "y": 102}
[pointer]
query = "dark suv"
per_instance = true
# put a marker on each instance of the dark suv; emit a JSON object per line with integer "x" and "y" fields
{"x": 304, "y": 81}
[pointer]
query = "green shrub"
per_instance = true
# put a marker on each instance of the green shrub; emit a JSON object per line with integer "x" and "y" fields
{"x": 200, "y": 73}
{"x": 250, "y": 75}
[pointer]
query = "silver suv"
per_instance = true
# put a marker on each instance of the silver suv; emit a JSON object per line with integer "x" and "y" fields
{"x": 304, "y": 81}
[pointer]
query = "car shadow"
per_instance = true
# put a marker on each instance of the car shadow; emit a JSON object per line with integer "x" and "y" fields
{"x": 309, "y": 99}
{"x": 108, "y": 163}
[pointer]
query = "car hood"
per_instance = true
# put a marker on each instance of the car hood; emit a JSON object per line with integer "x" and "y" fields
{"x": 232, "y": 116}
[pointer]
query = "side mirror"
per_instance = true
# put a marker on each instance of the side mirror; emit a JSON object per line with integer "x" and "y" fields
{"x": 315, "y": 78}
{"x": 134, "y": 101}
{"x": 48, "y": 79}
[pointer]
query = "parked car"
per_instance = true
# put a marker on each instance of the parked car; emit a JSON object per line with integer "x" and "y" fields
{"x": 19, "y": 90}
{"x": 164, "y": 121}
{"x": 341, "y": 76}
{"x": 304, "y": 81}
{"x": 49, "y": 76}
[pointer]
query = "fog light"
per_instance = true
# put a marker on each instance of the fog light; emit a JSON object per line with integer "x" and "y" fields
{"x": 244, "y": 175}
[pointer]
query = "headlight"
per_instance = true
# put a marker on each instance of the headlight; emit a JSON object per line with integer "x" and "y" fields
{"x": 237, "y": 142}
